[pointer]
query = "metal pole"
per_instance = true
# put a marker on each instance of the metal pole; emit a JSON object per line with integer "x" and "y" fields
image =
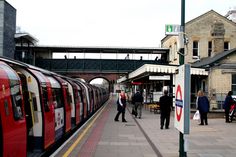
{"x": 181, "y": 62}
{"x": 182, "y": 29}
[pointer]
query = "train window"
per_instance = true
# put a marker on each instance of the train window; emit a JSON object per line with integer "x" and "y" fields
{"x": 16, "y": 102}
{"x": 6, "y": 107}
{"x": 57, "y": 97}
{"x": 69, "y": 97}
{"x": 80, "y": 97}
{"x": 45, "y": 99}
{"x": 34, "y": 101}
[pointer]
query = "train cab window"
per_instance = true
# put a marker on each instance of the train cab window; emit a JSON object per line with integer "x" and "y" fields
{"x": 45, "y": 99}
{"x": 16, "y": 95}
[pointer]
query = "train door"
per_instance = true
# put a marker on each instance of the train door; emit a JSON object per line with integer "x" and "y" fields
{"x": 32, "y": 88}
{"x": 66, "y": 102}
{"x": 28, "y": 108}
{"x": 12, "y": 118}
{"x": 59, "y": 107}
{"x": 80, "y": 108}
{"x": 84, "y": 93}
{"x": 71, "y": 93}
{"x": 91, "y": 98}
{"x": 78, "y": 103}
{"x": 47, "y": 109}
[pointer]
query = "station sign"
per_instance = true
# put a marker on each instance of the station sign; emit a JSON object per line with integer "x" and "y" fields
{"x": 171, "y": 29}
{"x": 182, "y": 99}
{"x": 164, "y": 77}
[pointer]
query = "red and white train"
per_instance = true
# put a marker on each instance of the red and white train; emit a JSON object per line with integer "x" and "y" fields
{"x": 38, "y": 107}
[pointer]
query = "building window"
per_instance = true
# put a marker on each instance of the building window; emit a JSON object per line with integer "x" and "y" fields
{"x": 171, "y": 53}
{"x": 209, "y": 48}
{"x": 175, "y": 51}
{"x": 195, "y": 48}
{"x": 234, "y": 83}
{"x": 226, "y": 46}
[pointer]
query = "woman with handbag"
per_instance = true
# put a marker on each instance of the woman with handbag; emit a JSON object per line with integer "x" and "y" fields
{"x": 121, "y": 105}
{"x": 203, "y": 107}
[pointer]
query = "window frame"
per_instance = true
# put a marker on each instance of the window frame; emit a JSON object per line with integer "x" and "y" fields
{"x": 195, "y": 49}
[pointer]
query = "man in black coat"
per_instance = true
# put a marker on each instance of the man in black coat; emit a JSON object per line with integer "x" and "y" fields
{"x": 165, "y": 108}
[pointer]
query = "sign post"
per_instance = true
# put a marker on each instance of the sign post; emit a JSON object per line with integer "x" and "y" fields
{"x": 182, "y": 104}
{"x": 182, "y": 99}
{"x": 182, "y": 153}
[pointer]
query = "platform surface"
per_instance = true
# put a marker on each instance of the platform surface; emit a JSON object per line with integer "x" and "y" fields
{"x": 103, "y": 137}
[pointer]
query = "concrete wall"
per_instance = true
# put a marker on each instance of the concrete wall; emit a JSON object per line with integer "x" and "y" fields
{"x": 7, "y": 29}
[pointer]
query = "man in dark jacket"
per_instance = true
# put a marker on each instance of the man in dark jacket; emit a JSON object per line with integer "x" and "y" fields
{"x": 137, "y": 99}
{"x": 165, "y": 108}
{"x": 227, "y": 104}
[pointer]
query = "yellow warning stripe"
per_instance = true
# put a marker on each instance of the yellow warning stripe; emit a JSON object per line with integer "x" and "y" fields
{"x": 72, "y": 147}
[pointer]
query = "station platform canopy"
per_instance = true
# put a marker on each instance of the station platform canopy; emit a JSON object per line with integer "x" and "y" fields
{"x": 149, "y": 69}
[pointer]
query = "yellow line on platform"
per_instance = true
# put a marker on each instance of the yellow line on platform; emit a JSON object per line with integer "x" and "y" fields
{"x": 72, "y": 147}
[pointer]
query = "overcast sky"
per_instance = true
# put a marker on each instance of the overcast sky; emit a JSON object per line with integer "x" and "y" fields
{"x": 123, "y": 23}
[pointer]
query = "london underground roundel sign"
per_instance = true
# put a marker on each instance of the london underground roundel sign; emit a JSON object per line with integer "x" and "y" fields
{"x": 178, "y": 103}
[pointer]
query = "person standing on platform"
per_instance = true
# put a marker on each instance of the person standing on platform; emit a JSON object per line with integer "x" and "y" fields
{"x": 121, "y": 105}
{"x": 227, "y": 104}
{"x": 165, "y": 109}
{"x": 138, "y": 103}
{"x": 203, "y": 107}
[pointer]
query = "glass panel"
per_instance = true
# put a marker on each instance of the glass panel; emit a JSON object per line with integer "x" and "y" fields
{"x": 233, "y": 79}
{"x": 57, "y": 97}
{"x": 45, "y": 99}
{"x": 195, "y": 48}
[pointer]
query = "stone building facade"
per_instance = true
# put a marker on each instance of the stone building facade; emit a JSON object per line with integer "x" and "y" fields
{"x": 211, "y": 42}
{"x": 7, "y": 29}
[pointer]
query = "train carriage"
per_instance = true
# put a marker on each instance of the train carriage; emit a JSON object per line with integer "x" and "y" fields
{"x": 39, "y": 107}
{"x": 46, "y": 107}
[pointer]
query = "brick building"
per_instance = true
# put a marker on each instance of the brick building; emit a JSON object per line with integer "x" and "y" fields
{"x": 211, "y": 45}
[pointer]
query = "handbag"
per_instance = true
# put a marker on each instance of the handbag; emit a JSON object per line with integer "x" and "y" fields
{"x": 196, "y": 115}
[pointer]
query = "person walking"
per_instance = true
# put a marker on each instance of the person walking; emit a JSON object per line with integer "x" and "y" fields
{"x": 203, "y": 107}
{"x": 137, "y": 99}
{"x": 227, "y": 104}
{"x": 121, "y": 105}
{"x": 165, "y": 109}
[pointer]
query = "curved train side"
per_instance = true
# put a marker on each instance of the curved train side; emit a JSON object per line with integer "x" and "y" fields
{"x": 39, "y": 107}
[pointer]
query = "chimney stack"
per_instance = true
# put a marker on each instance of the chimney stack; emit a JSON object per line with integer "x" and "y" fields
{"x": 217, "y": 33}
